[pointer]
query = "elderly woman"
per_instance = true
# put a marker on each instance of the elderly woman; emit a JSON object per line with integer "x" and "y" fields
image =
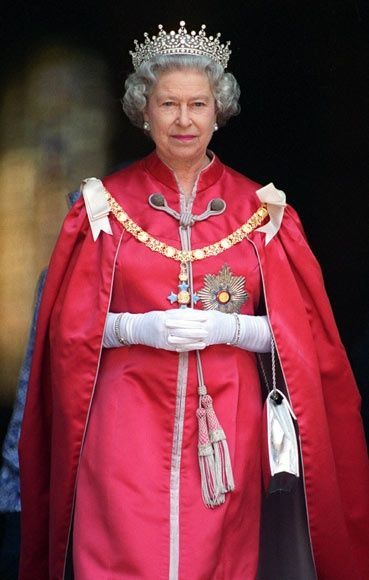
{"x": 144, "y": 433}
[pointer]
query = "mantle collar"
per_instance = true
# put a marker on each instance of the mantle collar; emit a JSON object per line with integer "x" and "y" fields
{"x": 208, "y": 176}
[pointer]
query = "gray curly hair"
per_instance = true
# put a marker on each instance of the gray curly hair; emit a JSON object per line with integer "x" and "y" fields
{"x": 139, "y": 85}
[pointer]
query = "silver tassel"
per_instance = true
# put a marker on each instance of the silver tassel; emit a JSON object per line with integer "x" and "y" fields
{"x": 223, "y": 467}
{"x": 211, "y": 493}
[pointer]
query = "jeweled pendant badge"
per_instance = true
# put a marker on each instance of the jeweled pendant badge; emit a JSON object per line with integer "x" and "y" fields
{"x": 183, "y": 297}
{"x": 223, "y": 291}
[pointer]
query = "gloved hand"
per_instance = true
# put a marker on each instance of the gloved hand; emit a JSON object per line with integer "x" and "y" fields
{"x": 186, "y": 329}
{"x": 177, "y": 330}
{"x": 248, "y": 332}
{"x": 220, "y": 327}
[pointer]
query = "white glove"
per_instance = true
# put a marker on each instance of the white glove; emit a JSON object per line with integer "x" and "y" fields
{"x": 177, "y": 330}
{"x": 247, "y": 332}
{"x": 187, "y": 329}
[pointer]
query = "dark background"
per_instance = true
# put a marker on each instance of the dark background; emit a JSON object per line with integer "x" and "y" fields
{"x": 303, "y": 69}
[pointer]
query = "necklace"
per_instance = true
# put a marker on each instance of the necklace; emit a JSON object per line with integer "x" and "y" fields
{"x": 185, "y": 256}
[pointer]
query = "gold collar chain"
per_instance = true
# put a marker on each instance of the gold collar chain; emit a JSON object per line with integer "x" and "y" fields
{"x": 185, "y": 256}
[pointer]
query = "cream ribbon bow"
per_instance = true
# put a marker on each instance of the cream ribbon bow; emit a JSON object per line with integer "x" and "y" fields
{"x": 276, "y": 202}
{"x": 97, "y": 206}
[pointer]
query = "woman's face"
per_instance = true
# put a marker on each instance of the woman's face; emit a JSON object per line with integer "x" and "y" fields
{"x": 181, "y": 112}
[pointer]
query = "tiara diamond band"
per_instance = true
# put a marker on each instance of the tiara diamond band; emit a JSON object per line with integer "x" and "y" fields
{"x": 181, "y": 42}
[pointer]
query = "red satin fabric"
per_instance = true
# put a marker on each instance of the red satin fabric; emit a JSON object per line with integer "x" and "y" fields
{"x": 122, "y": 516}
{"x": 63, "y": 392}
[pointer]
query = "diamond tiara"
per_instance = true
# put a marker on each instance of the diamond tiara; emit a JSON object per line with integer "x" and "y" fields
{"x": 181, "y": 42}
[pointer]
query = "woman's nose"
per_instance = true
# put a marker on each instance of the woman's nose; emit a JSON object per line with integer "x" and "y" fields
{"x": 184, "y": 119}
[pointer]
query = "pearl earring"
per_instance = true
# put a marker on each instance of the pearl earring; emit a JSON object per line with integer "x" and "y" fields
{"x": 216, "y": 126}
{"x": 146, "y": 126}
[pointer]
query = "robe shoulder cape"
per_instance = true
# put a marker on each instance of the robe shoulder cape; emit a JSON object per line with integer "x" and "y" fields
{"x": 315, "y": 368}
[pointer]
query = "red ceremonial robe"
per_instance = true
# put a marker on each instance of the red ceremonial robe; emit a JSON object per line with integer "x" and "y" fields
{"x": 315, "y": 369}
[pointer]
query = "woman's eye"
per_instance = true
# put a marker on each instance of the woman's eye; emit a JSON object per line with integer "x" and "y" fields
{"x": 199, "y": 104}
{"x": 168, "y": 103}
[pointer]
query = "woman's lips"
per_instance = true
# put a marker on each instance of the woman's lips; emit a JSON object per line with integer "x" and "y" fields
{"x": 184, "y": 138}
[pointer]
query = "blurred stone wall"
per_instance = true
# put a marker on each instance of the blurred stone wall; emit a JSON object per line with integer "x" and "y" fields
{"x": 56, "y": 123}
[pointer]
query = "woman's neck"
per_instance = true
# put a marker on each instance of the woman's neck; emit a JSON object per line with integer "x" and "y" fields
{"x": 186, "y": 172}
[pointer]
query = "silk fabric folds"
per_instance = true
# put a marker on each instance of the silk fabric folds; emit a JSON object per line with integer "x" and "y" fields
{"x": 113, "y": 434}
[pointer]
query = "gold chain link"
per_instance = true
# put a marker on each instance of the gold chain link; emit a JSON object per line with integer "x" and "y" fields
{"x": 182, "y": 255}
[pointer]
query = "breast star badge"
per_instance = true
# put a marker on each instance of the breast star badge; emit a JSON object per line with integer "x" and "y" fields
{"x": 223, "y": 291}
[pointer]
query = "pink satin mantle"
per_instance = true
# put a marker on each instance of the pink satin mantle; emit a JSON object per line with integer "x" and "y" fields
{"x": 67, "y": 358}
